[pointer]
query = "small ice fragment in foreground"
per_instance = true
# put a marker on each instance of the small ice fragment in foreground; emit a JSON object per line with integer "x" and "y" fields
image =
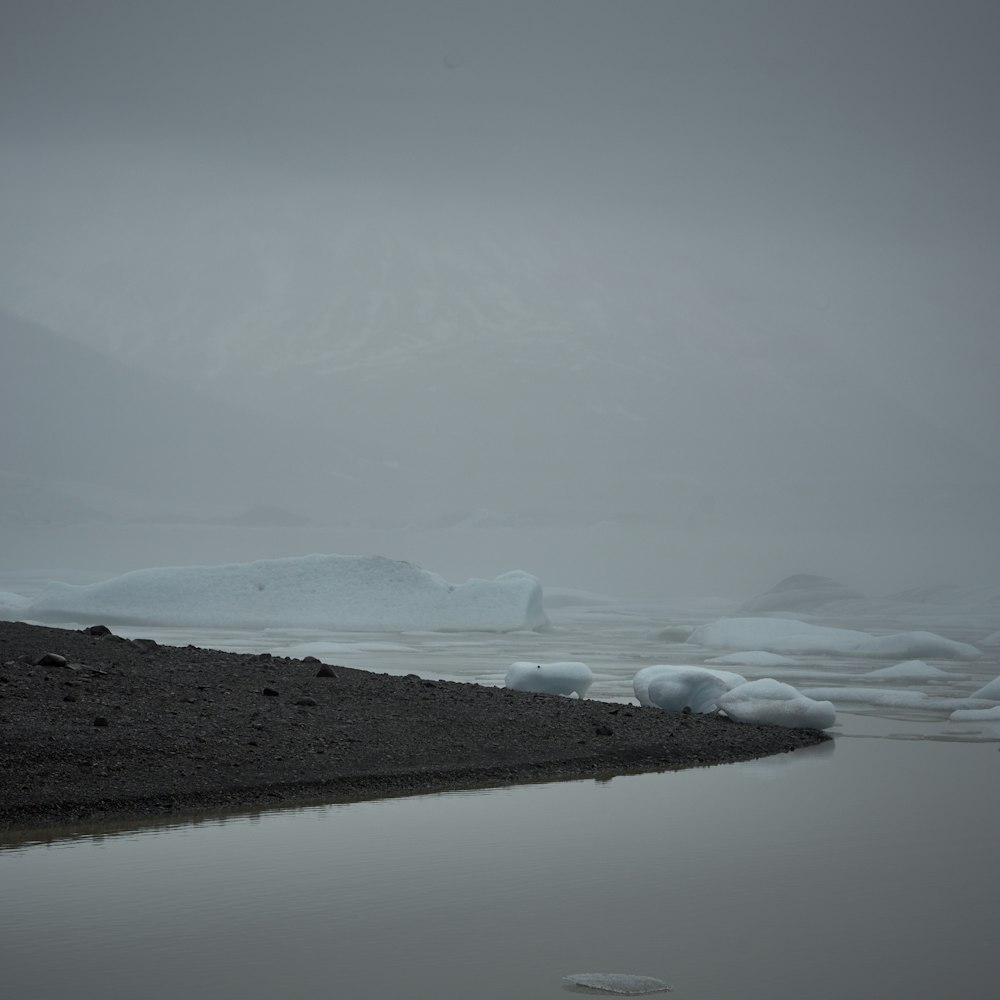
{"x": 618, "y": 982}
{"x": 672, "y": 687}
{"x": 550, "y": 678}
{"x": 676, "y": 688}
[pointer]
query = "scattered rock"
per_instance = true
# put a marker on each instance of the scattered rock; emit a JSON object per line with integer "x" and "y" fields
{"x": 71, "y": 697}
{"x": 604, "y": 731}
{"x": 101, "y": 720}
{"x": 326, "y": 671}
{"x": 146, "y": 645}
{"x": 51, "y": 660}
{"x": 271, "y": 692}
{"x": 311, "y": 659}
{"x": 97, "y": 630}
{"x": 307, "y": 702}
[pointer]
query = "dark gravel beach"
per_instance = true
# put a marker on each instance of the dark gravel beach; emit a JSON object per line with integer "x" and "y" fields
{"x": 130, "y": 729}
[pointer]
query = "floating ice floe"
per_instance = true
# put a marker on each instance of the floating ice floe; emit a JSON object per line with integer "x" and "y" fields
{"x": 976, "y": 714}
{"x": 350, "y": 593}
{"x": 564, "y": 678}
{"x": 618, "y": 982}
{"x": 912, "y": 670}
{"x": 753, "y": 658}
{"x": 673, "y": 687}
{"x": 990, "y": 691}
{"x": 784, "y": 635}
{"x": 770, "y": 702}
{"x": 886, "y": 697}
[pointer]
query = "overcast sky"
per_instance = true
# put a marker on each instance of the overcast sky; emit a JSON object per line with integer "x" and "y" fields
{"x": 800, "y": 187}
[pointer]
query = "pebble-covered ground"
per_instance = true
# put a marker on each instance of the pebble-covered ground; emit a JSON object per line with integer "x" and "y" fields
{"x": 97, "y": 727}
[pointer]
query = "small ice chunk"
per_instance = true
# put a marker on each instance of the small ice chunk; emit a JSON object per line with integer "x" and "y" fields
{"x": 564, "y": 678}
{"x": 618, "y": 982}
{"x": 990, "y": 691}
{"x": 690, "y": 688}
{"x": 674, "y": 687}
{"x": 770, "y": 702}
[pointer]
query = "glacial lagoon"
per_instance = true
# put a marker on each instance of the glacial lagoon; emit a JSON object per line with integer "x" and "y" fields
{"x": 865, "y": 868}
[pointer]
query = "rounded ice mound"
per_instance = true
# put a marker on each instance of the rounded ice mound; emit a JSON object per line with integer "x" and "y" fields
{"x": 773, "y": 703}
{"x": 565, "y": 678}
{"x": 673, "y": 687}
{"x": 618, "y": 982}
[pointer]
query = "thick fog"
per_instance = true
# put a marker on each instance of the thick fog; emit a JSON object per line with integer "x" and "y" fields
{"x": 647, "y": 297}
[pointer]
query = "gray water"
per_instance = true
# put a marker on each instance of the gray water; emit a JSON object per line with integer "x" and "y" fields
{"x": 864, "y": 869}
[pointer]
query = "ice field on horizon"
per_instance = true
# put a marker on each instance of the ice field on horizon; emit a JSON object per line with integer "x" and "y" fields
{"x": 914, "y": 665}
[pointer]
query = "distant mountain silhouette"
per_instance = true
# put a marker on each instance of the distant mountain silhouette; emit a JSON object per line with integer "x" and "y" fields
{"x": 70, "y": 413}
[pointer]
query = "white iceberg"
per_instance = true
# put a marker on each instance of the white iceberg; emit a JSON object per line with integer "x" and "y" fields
{"x": 911, "y": 670}
{"x": 565, "y": 678}
{"x": 886, "y": 697}
{"x": 618, "y": 982}
{"x": 990, "y": 691}
{"x": 673, "y": 687}
{"x": 976, "y": 714}
{"x": 770, "y": 702}
{"x": 785, "y": 635}
{"x": 349, "y": 593}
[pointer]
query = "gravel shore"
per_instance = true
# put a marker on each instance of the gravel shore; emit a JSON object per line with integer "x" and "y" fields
{"x": 109, "y": 728}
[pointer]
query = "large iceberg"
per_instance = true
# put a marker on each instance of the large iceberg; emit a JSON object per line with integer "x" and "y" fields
{"x": 785, "y": 635}
{"x": 351, "y": 593}
{"x": 770, "y": 702}
{"x": 565, "y": 678}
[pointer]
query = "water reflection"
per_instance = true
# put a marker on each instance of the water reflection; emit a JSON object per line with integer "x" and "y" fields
{"x": 867, "y": 871}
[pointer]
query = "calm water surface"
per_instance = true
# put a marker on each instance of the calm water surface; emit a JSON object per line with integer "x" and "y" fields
{"x": 862, "y": 870}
